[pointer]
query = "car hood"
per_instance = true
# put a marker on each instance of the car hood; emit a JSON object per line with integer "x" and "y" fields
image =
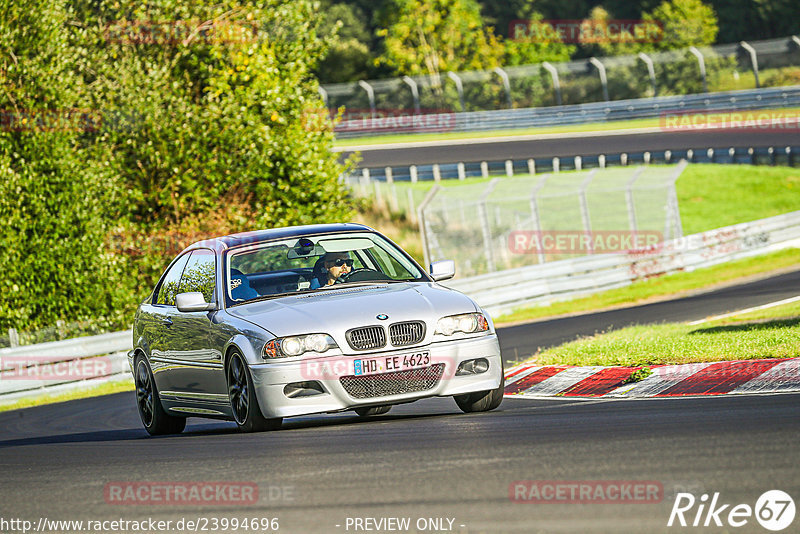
{"x": 337, "y": 310}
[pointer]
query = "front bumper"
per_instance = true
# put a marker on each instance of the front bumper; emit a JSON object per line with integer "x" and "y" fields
{"x": 270, "y": 379}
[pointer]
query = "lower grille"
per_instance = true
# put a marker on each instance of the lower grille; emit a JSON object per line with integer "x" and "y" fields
{"x": 396, "y": 383}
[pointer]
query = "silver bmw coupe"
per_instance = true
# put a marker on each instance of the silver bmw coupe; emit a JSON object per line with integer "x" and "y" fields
{"x": 259, "y": 326}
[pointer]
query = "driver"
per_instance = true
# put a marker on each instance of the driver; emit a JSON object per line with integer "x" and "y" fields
{"x": 335, "y": 265}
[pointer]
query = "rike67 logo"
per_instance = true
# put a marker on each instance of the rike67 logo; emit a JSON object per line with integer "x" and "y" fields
{"x": 774, "y": 510}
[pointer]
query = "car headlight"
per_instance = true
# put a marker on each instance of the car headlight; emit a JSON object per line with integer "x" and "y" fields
{"x": 466, "y": 322}
{"x": 285, "y": 347}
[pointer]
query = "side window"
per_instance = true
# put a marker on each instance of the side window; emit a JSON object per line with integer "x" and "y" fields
{"x": 199, "y": 274}
{"x": 170, "y": 283}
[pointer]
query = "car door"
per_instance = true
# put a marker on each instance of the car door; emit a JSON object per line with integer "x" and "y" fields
{"x": 198, "y": 373}
{"x": 157, "y": 317}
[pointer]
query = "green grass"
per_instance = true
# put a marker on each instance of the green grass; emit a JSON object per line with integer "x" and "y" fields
{"x": 784, "y": 311}
{"x": 105, "y": 389}
{"x": 772, "y": 333}
{"x": 672, "y": 285}
{"x": 572, "y": 128}
{"x": 713, "y": 196}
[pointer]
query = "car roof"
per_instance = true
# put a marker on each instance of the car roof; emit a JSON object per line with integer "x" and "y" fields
{"x": 257, "y": 236}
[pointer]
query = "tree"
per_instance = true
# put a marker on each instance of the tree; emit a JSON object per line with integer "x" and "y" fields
{"x": 349, "y": 56}
{"x": 526, "y": 51}
{"x": 55, "y": 199}
{"x": 436, "y": 36}
{"x": 685, "y": 23}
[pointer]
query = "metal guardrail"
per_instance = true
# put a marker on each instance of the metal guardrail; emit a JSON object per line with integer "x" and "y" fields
{"x": 502, "y": 292}
{"x": 595, "y": 112}
{"x": 59, "y": 366}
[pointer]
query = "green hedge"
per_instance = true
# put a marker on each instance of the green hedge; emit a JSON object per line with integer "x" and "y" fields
{"x": 175, "y": 122}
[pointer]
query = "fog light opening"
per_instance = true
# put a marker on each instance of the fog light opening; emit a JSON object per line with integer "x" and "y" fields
{"x": 303, "y": 389}
{"x": 473, "y": 367}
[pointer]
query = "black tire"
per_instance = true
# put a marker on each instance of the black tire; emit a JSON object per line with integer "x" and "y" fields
{"x": 373, "y": 410}
{"x": 154, "y": 418}
{"x": 483, "y": 401}
{"x": 242, "y": 394}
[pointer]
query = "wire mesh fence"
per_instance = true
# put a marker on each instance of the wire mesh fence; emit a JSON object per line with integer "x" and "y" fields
{"x": 514, "y": 222}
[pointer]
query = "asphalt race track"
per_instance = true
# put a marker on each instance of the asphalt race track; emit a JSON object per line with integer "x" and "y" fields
{"x": 575, "y": 145}
{"x": 423, "y": 460}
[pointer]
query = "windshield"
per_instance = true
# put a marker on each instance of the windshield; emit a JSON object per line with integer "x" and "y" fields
{"x": 315, "y": 263}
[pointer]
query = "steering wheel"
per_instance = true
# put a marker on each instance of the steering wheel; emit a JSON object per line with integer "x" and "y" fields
{"x": 346, "y": 277}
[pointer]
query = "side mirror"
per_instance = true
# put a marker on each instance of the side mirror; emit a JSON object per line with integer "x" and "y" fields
{"x": 443, "y": 270}
{"x": 193, "y": 301}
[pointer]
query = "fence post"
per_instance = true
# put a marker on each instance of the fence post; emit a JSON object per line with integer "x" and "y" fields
{"x": 753, "y": 60}
{"x": 556, "y": 164}
{"x": 412, "y": 211}
{"x": 601, "y": 69}
{"x": 365, "y": 181}
{"x": 437, "y": 173}
{"x": 378, "y": 197}
{"x": 506, "y": 85}
{"x": 462, "y": 173}
{"x": 509, "y": 168}
{"x": 412, "y": 171}
{"x": 601, "y": 161}
{"x": 13, "y": 337}
{"x": 578, "y": 163}
{"x": 531, "y": 166}
{"x": 393, "y": 203}
{"x": 701, "y": 63}
{"x": 587, "y": 222}
{"x": 484, "y": 169}
{"x": 554, "y": 75}
{"x": 370, "y": 94}
{"x": 673, "y": 212}
{"x": 629, "y": 200}
{"x": 650, "y": 71}
{"x": 422, "y": 226}
{"x": 537, "y": 223}
{"x": 485, "y": 229}
{"x": 459, "y": 87}
{"x": 324, "y": 94}
{"x": 414, "y": 92}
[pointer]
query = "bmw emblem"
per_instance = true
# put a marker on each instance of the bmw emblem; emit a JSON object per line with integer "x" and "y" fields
{"x": 382, "y": 316}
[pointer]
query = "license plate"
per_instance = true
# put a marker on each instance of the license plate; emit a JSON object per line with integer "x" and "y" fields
{"x": 388, "y": 364}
